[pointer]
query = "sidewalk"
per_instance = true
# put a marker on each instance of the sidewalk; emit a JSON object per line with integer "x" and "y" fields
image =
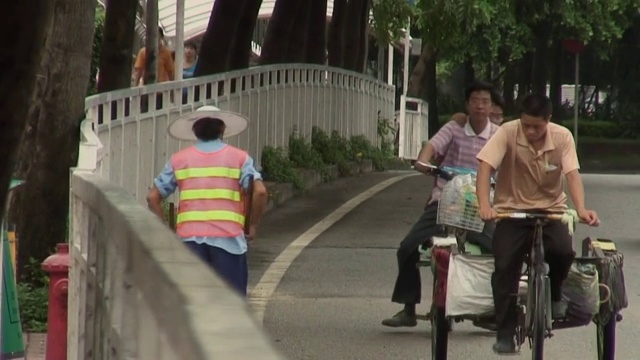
{"x": 35, "y": 344}
{"x": 282, "y": 225}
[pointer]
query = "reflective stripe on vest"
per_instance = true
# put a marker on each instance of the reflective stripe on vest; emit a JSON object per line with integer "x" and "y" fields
{"x": 207, "y": 172}
{"x": 211, "y": 215}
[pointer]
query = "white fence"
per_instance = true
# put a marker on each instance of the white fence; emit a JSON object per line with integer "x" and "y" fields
{"x": 277, "y": 99}
{"x": 413, "y": 127}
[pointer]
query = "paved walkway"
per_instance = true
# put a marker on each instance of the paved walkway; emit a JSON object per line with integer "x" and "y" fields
{"x": 333, "y": 295}
{"x": 36, "y": 345}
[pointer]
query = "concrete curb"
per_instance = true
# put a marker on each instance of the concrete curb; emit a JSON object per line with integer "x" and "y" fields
{"x": 279, "y": 193}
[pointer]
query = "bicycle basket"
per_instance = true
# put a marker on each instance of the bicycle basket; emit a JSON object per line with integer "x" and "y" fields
{"x": 458, "y": 206}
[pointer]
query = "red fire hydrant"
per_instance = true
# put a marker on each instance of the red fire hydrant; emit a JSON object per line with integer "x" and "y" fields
{"x": 57, "y": 265}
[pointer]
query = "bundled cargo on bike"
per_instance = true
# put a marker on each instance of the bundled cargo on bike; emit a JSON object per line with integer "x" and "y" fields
{"x": 458, "y": 206}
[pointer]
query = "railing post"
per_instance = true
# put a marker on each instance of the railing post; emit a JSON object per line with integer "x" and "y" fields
{"x": 57, "y": 266}
{"x": 402, "y": 138}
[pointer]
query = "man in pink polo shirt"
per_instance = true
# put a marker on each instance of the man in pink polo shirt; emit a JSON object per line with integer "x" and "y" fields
{"x": 457, "y": 146}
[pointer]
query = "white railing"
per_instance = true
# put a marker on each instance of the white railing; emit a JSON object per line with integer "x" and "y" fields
{"x": 256, "y": 48}
{"x": 277, "y": 99}
{"x": 91, "y": 150}
{"x": 136, "y": 292}
{"x": 413, "y": 127}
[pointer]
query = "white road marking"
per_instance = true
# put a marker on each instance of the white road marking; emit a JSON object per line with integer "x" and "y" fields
{"x": 261, "y": 294}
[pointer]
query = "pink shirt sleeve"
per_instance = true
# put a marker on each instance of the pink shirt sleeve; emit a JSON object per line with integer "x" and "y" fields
{"x": 442, "y": 139}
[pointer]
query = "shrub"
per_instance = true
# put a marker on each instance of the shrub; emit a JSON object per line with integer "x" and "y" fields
{"x": 333, "y": 149}
{"x": 33, "y": 303}
{"x": 595, "y": 128}
{"x": 278, "y": 167}
{"x": 305, "y": 156}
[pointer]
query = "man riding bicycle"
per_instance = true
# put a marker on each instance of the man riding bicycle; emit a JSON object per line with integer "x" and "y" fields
{"x": 532, "y": 156}
{"x": 458, "y": 146}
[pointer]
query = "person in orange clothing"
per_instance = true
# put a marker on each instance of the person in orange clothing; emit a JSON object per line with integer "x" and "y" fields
{"x": 166, "y": 65}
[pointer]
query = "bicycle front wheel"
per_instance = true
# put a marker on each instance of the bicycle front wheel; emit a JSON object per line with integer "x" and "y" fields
{"x": 440, "y": 326}
{"x": 539, "y": 318}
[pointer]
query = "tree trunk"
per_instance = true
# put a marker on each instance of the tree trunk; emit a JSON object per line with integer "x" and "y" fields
{"x": 299, "y": 40}
{"x": 424, "y": 73}
{"x": 352, "y": 34}
{"x": 335, "y": 42}
{"x": 381, "y": 63}
{"x": 540, "y": 71}
{"x": 489, "y": 72}
{"x": 510, "y": 80}
{"x": 626, "y": 81}
{"x": 117, "y": 45}
{"x": 317, "y": 33}
{"x": 363, "y": 46}
{"x": 524, "y": 83}
{"x": 218, "y": 39}
{"x": 418, "y": 74}
{"x": 28, "y": 23}
{"x": 432, "y": 95}
{"x": 241, "y": 50}
{"x": 555, "y": 83}
{"x": 499, "y": 67}
{"x": 469, "y": 71}
{"x": 279, "y": 32}
{"x": 43, "y": 205}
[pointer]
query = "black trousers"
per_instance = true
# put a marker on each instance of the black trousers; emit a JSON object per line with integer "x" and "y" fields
{"x": 512, "y": 241}
{"x": 408, "y": 287}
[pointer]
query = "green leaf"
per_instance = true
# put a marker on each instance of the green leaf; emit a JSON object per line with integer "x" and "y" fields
{"x": 390, "y": 19}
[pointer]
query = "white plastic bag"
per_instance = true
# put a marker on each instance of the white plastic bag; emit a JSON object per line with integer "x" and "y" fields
{"x": 469, "y": 290}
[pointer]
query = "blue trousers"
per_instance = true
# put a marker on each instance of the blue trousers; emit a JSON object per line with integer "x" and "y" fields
{"x": 232, "y": 268}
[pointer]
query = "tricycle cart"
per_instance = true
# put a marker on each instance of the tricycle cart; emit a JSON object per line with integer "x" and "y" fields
{"x": 453, "y": 260}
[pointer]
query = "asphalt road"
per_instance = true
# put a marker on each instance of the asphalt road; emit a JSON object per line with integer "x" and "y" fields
{"x": 330, "y": 301}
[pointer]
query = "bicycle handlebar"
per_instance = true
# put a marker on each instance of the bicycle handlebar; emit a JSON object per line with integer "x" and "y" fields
{"x": 437, "y": 171}
{"x": 526, "y": 215}
{"x": 449, "y": 172}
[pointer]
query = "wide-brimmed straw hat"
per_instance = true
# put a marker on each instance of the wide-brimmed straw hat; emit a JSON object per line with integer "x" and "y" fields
{"x": 182, "y": 128}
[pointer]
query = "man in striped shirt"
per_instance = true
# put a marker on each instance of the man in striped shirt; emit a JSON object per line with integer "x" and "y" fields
{"x": 457, "y": 146}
